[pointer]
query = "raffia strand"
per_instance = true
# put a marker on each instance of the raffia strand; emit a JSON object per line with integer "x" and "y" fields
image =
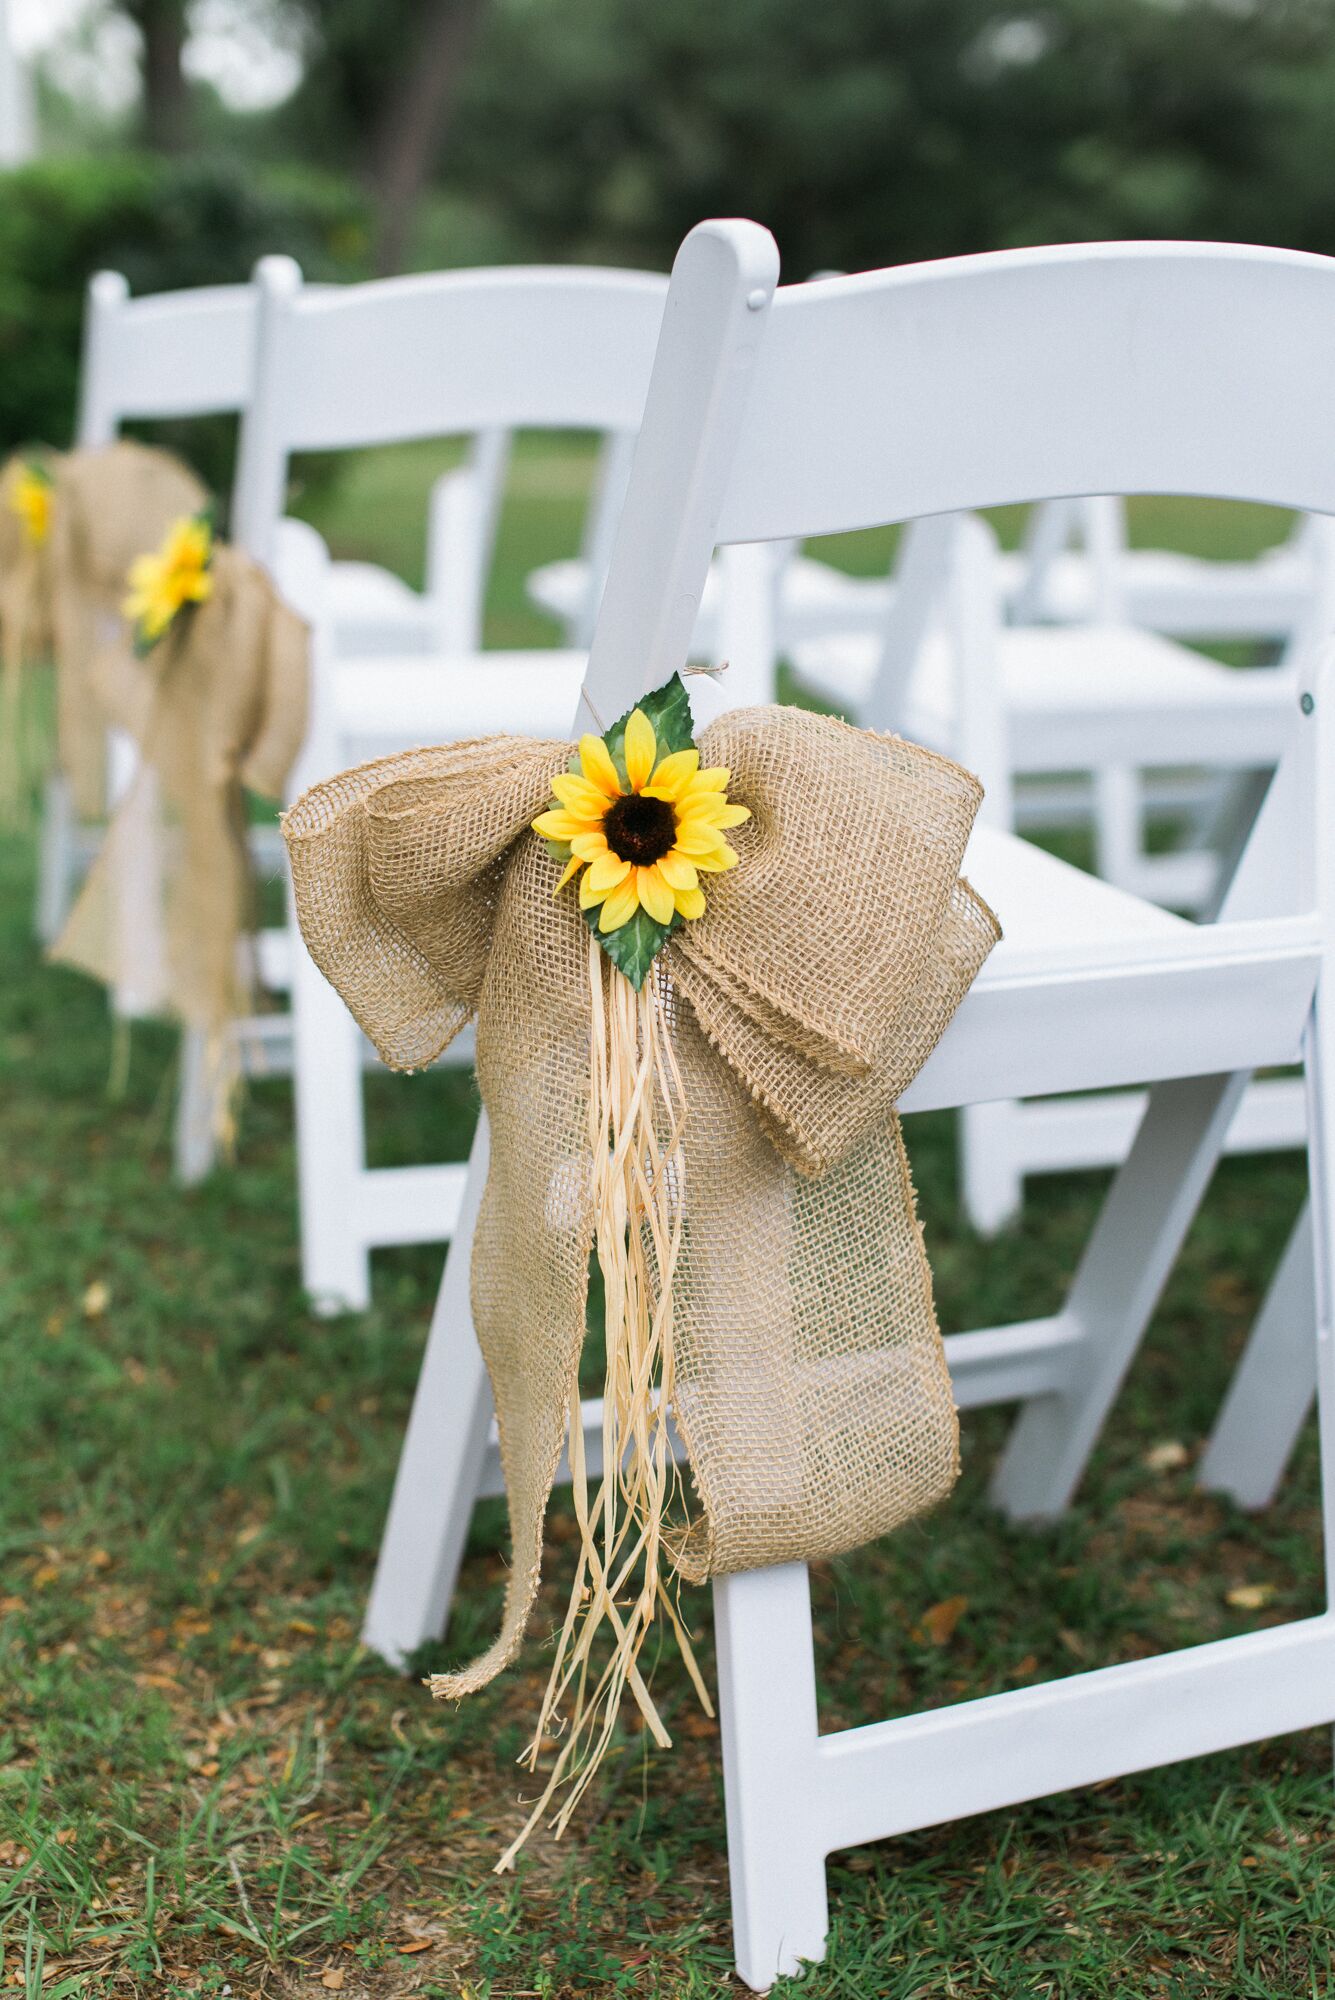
{"x": 625, "y": 1572}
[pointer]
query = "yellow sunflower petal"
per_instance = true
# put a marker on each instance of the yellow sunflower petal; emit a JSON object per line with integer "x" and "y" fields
{"x": 588, "y": 844}
{"x": 696, "y": 840}
{"x": 579, "y": 795}
{"x": 641, "y": 749}
{"x": 654, "y": 894}
{"x": 721, "y": 858}
{"x": 732, "y": 815}
{"x": 702, "y": 810}
{"x": 690, "y": 902}
{"x": 620, "y": 907}
{"x": 608, "y": 871}
{"x": 677, "y": 871}
{"x": 588, "y": 895}
{"x": 572, "y": 867}
{"x": 596, "y": 763}
{"x": 674, "y": 774}
{"x": 555, "y": 825}
{"x": 713, "y": 780}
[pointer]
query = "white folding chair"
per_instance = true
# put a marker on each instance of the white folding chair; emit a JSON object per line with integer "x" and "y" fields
{"x": 1077, "y": 564}
{"x": 1166, "y": 368}
{"x": 172, "y": 355}
{"x": 456, "y": 353}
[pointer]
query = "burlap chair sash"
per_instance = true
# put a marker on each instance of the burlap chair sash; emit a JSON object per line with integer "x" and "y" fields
{"x": 811, "y": 1385}
{"x": 220, "y": 703}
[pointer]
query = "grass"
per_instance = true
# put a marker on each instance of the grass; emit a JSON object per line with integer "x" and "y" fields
{"x": 205, "y": 1786}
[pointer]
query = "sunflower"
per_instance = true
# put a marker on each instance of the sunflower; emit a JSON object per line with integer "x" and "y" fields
{"x": 30, "y": 499}
{"x": 178, "y": 574}
{"x": 645, "y": 844}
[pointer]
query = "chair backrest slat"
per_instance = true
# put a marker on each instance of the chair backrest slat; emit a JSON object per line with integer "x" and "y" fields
{"x": 1179, "y": 368}
{"x": 439, "y": 355}
{"x": 1196, "y": 368}
{"x": 171, "y": 354}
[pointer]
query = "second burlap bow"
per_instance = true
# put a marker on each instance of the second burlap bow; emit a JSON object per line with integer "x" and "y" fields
{"x": 809, "y": 1383}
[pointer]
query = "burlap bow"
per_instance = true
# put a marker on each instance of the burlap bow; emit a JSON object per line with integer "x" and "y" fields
{"x": 811, "y": 1389}
{"x": 219, "y": 703}
{"x": 108, "y": 506}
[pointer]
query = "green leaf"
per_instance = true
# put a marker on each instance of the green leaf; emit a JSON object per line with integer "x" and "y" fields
{"x": 634, "y": 947}
{"x": 669, "y": 709}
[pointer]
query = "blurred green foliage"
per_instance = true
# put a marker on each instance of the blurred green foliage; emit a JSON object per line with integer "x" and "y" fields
{"x": 865, "y": 132}
{"x": 164, "y": 224}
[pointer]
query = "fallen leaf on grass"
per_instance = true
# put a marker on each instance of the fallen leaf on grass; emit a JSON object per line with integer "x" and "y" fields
{"x": 938, "y": 1624}
{"x": 1167, "y": 1457}
{"x": 67, "y": 1836}
{"x": 1251, "y": 1596}
{"x": 96, "y": 1299}
{"x": 332, "y": 1977}
{"x": 420, "y": 1944}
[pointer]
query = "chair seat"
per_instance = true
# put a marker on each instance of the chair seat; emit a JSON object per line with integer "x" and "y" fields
{"x": 1092, "y": 987}
{"x": 1048, "y": 909}
{"x": 388, "y": 703}
{"x": 1187, "y": 596}
{"x": 1082, "y": 695}
{"x": 375, "y": 612}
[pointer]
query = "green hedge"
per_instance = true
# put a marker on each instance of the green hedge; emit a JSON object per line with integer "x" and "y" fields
{"x": 164, "y": 225}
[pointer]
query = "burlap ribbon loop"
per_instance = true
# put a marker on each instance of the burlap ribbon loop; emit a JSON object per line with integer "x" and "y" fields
{"x": 811, "y": 1387}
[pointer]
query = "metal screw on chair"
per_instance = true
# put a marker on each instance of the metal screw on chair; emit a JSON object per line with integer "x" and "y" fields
{"x": 1306, "y": 703}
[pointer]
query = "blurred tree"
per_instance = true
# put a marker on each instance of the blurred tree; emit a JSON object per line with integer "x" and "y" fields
{"x": 165, "y": 119}
{"x": 381, "y": 81}
{"x": 867, "y": 131}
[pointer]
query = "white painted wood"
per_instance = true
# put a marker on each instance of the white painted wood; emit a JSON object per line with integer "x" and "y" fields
{"x": 57, "y": 860}
{"x": 1272, "y": 1390}
{"x": 892, "y": 1777}
{"x": 1125, "y": 1266}
{"x": 1154, "y": 339}
{"x": 779, "y": 1907}
{"x": 1005, "y": 1143}
{"x": 441, "y": 1464}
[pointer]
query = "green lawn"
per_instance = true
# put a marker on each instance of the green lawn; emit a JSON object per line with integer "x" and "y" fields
{"x": 203, "y": 1783}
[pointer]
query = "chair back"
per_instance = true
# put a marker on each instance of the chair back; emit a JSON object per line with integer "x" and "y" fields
{"x": 438, "y": 355}
{"x": 170, "y": 354}
{"x": 1185, "y": 368}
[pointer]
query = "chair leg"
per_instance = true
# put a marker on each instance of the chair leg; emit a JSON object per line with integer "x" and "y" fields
{"x": 767, "y": 1715}
{"x": 55, "y": 861}
{"x": 1272, "y": 1387}
{"x": 991, "y": 1181}
{"x": 440, "y": 1466}
{"x": 1118, "y": 833}
{"x": 331, "y": 1141}
{"x": 194, "y": 1136}
{"x": 1320, "y": 1073}
{"x": 1124, "y": 1268}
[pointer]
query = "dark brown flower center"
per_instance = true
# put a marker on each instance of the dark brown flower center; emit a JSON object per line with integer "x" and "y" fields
{"x": 639, "y": 829}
